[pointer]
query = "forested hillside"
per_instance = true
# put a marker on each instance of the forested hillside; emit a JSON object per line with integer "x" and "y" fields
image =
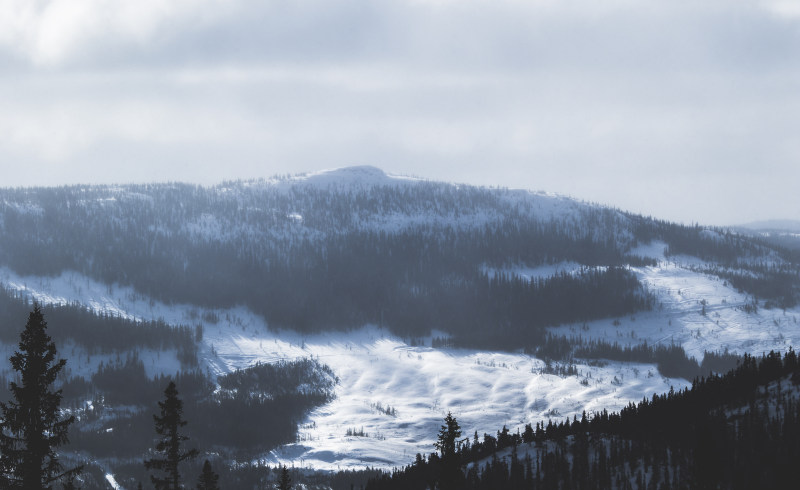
{"x": 355, "y": 246}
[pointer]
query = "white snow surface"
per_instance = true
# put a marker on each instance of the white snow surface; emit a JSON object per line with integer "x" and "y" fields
{"x": 113, "y": 482}
{"x": 484, "y": 390}
{"x": 678, "y": 317}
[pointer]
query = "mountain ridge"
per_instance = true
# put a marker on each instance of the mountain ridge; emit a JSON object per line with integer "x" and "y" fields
{"x": 236, "y": 243}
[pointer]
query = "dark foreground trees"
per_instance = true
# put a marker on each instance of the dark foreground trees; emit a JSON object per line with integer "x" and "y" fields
{"x": 284, "y": 481}
{"x": 208, "y": 479}
{"x": 31, "y": 428}
{"x": 169, "y": 448}
{"x": 447, "y": 444}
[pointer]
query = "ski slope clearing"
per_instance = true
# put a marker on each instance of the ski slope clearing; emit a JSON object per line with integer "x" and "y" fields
{"x": 698, "y": 311}
{"x": 392, "y": 396}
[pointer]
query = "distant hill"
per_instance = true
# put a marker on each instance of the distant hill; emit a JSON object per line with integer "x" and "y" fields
{"x": 347, "y": 247}
{"x": 784, "y": 233}
{"x": 784, "y": 225}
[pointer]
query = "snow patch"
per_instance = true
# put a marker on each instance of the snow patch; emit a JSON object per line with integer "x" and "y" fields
{"x": 113, "y": 482}
{"x": 678, "y": 316}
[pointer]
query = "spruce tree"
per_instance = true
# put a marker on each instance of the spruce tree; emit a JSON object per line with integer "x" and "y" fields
{"x": 284, "y": 482}
{"x": 208, "y": 479}
{"x": 69, "y": 484}
{"x": 31, "y": 429}
{"x": 169, "y": 446}
{"x": 447, "y": 443}
{"x": 448, "y": 437}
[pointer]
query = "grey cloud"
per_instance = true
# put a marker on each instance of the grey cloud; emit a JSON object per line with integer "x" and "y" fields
{"x": 666, "y": 108}
{"x": 468, "y": 34}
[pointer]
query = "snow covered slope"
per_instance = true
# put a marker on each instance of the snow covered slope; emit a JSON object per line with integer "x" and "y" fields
{"x": 393, "y": 396}
{"x": 699, "y": 311}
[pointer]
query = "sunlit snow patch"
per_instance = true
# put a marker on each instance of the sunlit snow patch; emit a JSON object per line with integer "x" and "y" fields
{"x": 392, "y": 397}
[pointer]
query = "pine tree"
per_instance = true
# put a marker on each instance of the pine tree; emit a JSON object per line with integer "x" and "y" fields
{"x": 446, "y": 444}
{"x": 208, "y": 479}
{"x": 69, "y": 484}
{"x": 285, "y": 482}
{"x": 448, "y": 436}
{"x": 31, "y": 430}
{"x": 169, "y": 445}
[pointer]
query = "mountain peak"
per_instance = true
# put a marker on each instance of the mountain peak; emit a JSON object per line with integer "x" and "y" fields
{"x": 365, "y": 175}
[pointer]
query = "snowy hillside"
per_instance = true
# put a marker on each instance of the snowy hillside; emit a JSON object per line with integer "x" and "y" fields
{"x": 422, "y": 297}
{"x": 396, "y": 394}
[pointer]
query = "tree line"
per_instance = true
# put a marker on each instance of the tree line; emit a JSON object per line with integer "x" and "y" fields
{"x": 98, "y": 333}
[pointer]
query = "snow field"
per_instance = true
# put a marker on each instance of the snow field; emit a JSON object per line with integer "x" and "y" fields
{"x": 678, "y": 318}
{"x": 380, "y": 373}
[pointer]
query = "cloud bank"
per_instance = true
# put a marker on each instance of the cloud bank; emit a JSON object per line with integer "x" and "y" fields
{"x": 682, "y": 110}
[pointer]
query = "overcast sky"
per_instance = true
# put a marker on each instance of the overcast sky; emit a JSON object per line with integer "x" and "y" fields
{"x": 682, "y": 109}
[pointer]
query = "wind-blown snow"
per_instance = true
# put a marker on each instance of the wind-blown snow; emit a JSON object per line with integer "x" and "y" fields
{"x": 419, "y": 385}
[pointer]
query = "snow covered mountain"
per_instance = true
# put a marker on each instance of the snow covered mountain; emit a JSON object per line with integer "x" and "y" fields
{"x": 502, "y": 306}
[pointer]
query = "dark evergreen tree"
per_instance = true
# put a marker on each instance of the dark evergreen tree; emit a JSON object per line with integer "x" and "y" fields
{"x": 448, "y": 436}
{"x": 69, "y": 484}
{"x": 284, "y": 481}
{"x": 31, "y": 428}
{"x": 447, "y": 443}
{"x": 208, "y": 479}
{"x": 170, "y": 445}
